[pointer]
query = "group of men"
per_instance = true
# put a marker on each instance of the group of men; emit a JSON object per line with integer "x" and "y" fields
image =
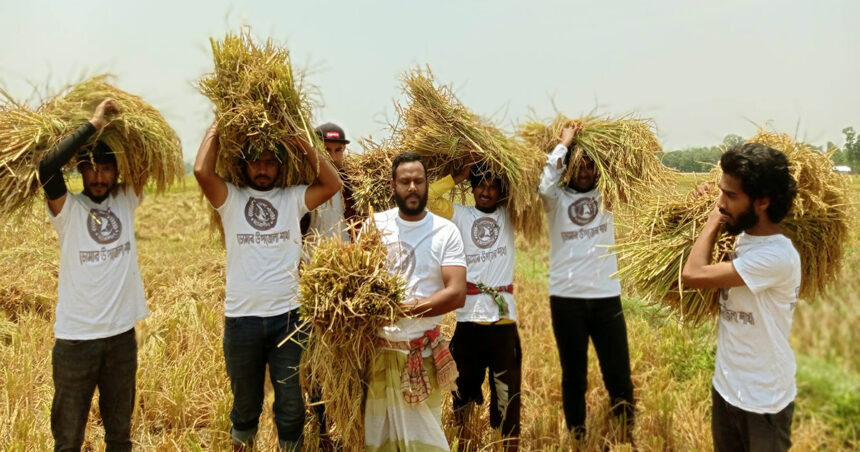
{"x": 453, "y": 258}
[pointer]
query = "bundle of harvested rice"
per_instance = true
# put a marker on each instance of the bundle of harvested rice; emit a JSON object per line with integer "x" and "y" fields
{"x": 818, "y": 226}
{"x": 368, "y": 174}
{"x": 625, "y": 152}
{"x": 347, "y": 295}
{"x": 261, "y": 104}
{"x": 146, "y": 148}
{"x": 436, "y": 125}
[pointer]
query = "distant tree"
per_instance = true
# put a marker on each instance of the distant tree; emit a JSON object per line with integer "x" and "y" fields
{"x": 851, "y": 150}
{"x": 732, "y": 140}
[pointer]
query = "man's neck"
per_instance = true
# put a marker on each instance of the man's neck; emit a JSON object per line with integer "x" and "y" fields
{"x": 486, "y": 209}
{"x": 764, "y": 227}
{"x": 416, "y": 217}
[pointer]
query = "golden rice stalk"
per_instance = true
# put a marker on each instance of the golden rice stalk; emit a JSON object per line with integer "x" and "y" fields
{"x": 261, "y": 102}
{"x": 625, "y": 151}
{"x": 147, "y": 149}
{"x": 347, "y": 295}
{"x": 436, "y": 125}
{"x": 818, "y": 226}
{"x": 368, "y": 174}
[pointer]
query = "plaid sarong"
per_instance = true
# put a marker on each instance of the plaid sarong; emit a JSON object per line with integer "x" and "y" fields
{"x": 414, "y": 381}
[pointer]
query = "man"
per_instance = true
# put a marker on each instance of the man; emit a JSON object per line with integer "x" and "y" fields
{"x": 486, "y": 336}
{"x": 335, "y": 216}
{"x": 261, "y": 230}
{"x": 753, "y": 386}
{"x": 585, "y": 301}
{"x": 403, "y": 410}
{"x": 100, "y": 292}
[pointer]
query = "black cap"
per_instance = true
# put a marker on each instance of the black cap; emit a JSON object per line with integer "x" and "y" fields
{"x": 331, "y": 132}
{"x": 99, "y": 152}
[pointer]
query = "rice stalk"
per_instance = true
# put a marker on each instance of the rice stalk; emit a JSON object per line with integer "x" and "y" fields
{"x": 347, "y": 295}
{"x": 147, "y": 149}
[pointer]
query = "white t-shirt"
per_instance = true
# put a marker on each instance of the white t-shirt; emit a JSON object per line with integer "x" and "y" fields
{"x": 264, "y": 245}
{"x": 754, "y": 368}
{"x": 327, "y": 219}
{"x": 580, "y": 234}
{"x": 418, "y": 250}
{"x": 488, "y": 239}
{"x": 100, "y": 291}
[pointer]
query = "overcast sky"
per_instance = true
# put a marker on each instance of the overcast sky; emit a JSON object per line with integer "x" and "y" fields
{"x": 701, "y": 69}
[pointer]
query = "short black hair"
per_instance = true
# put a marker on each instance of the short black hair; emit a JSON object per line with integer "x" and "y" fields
{"x": 764, "y": 173}
{"x": 405, "y": 157}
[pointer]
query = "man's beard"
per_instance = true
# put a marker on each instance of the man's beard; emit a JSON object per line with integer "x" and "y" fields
{"x": 745, "y": 220}
{"x": 98, "y": 199}
{"x": 253, "y": 184}
{"x": 401, "y": 204}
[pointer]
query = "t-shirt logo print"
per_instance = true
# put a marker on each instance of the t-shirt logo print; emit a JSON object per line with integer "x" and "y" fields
{"x": 582, "y": 211}
{"x": 104, "y": 226}
{"x": 401, "y": 259}
{"x": 260, "y": 214}
{"x": 485, "y": 232}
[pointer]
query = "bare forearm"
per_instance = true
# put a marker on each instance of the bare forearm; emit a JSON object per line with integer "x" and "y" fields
{"x": 700, "y": 254}
{"x": 204, "y": 164}
{"x": 441, "y": 302}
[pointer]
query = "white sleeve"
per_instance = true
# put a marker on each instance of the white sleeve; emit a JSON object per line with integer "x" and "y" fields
{"x": 453, "y": 253}
{"x": 298, "y": 192}
{"x": 228, "y": 201}
{"x": 61, "y": 219}
{"x": 551, "y": 174}
{"x": 763, "y": 268}
{"x": 133, "y": 199}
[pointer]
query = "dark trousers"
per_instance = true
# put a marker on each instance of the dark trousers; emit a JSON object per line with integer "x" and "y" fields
{"x": 734, "y": 429}
{"x": 250, "y": 343}
{"x": 574, "y": 320}
{"x": 78, "y": 368}
{"x": 477, "y": 348}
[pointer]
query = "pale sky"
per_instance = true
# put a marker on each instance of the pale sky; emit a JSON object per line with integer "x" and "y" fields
{"x": 701, "y": 69}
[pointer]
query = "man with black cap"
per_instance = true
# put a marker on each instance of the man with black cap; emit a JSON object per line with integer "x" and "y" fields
{"x": 264, "y": 243}
{"x": 100, "y": 291}
{"x": 333, "y": 217}
{"x": 486, "y": 337}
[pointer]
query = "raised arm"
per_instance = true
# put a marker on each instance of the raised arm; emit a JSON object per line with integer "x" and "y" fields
{"x": 327, "y": 182}
{"x": 698, "y": 272}
{"x": 451, "y": 298}
{"x": 213, "y": 186}
{"x": 555, "y": 165}
{"x": 50, "y": 168}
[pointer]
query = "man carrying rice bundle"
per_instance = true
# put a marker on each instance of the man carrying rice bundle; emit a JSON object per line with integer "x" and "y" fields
{"x": 486, "y": 335}
{"x": 585, "y": 300}
{"x": 100, "y": 291}
{"x": 403, "y": 410}
{"x": 753, "y": 386}
{"x": 263, "y": 241}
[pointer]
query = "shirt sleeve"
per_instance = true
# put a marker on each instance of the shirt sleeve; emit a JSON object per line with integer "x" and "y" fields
{"x": 60, "y": 220}
{"x": 453, "y": 252}
{"x": 134, "y": 199}
{"x": 299, "y": 192}
{"x": 228, "y": 201}
{"x": 763, "y": 268}
{"x": 551, "y": 174}
{"x": 436, "y": 201}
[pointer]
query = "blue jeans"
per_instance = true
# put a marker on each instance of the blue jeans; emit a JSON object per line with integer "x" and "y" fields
{"x": 249, "y": 344}
{"x": 78, "y": 367}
